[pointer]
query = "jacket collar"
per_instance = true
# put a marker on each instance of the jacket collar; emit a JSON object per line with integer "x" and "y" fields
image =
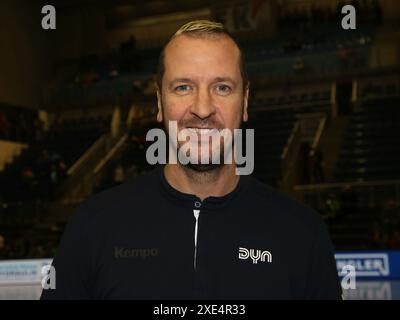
{"x": 189, "y": 200}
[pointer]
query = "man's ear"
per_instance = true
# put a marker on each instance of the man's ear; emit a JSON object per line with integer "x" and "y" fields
{"x": 246, "y": 102}
{"x": 159, "y": 104}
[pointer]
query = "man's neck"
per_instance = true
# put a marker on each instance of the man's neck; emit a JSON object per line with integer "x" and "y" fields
{"x": 215, "y": 183}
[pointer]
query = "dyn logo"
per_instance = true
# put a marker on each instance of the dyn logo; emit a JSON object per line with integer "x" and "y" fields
{"x": 255, "y": 255}
{"x": 365, "y": 264}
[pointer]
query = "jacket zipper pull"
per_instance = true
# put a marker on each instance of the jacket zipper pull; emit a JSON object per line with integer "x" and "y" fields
{"x": 196, "y": 213}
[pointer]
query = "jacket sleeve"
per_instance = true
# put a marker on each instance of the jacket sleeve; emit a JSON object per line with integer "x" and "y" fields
{"x": 322, "y": 278}
{"x": 72, "y": 262}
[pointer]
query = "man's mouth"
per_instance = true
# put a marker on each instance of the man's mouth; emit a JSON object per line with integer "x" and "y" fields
{"x": 202, "y": 131}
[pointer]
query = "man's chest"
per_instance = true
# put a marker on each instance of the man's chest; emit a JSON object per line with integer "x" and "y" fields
{"x": 226, "y": 261}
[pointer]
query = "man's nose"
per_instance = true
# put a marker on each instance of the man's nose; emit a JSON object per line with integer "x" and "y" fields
{"x": 203, "y": 106}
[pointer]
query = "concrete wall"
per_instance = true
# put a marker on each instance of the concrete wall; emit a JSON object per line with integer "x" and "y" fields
{"x": 79, "y": 33}
{"x": 25, "y": 63}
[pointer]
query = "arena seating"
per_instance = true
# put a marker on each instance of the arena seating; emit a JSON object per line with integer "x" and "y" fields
{"x": 32, "y": 175}
{"x": 370, "y": 150}
{"x": 275, "y": 57}
{"x": 272, "y": 130}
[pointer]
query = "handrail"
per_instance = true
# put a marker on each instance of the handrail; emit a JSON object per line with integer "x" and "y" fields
{"x": 74, "y": 168}
{"x": 82, "y": 167}
{"x": 294, "y": 106}
{"x": 290, "y": 152}
{"x": 344, "y": 184}
{"x": 318, "y": 135}
{"x": 110, "y": 154}
{"x": 290, "y": 140}
{"x": 374, "y": 96}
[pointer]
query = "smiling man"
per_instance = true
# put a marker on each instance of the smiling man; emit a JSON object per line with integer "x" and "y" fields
{"x": 202, "y": 85}
{"x": 196, "y": 230}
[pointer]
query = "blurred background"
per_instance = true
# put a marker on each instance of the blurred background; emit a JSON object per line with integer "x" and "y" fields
{"x": 77, "y": 102}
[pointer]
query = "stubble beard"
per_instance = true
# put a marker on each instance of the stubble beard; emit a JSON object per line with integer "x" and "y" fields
{"x": 203, "y": 168}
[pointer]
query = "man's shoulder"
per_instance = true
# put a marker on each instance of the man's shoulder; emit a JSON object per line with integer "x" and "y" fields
{"x": 275, "y": 203}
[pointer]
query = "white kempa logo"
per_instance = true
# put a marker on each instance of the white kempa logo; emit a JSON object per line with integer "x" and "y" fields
{"x": 255, "y": 255}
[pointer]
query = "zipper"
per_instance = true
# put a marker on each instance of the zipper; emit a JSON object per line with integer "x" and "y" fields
{"x": 196, "y": 227}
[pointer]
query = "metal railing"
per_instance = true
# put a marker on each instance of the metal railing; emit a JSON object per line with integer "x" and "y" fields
{"x": 77, "y": 174}
{"x": 308, "y": 128}
{"x": 83, "y": 161}
{"x": 318, "y": 134}
{"x": 311, "y": 125}
{"x": 369, "y": 194}
{"x": 290, "y": 151}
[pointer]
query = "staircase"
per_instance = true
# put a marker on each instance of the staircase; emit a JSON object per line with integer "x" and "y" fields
{"x": 330, "y": 142}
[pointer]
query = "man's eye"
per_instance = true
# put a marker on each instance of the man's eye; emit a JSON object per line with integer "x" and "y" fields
{"x": 182, "y": 88}
{"x": 223, "y": 88}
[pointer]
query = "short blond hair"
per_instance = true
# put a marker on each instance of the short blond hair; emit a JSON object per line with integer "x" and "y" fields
{"x": 202, "y": 28}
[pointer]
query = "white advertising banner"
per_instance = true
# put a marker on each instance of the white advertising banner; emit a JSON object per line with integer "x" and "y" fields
{"x": 22, "y": 271}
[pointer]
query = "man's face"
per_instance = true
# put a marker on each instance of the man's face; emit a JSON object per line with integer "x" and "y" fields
{"x": 202, "y": 87}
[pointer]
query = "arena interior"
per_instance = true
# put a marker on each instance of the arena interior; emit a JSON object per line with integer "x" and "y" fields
{"x": 77, "y": 101}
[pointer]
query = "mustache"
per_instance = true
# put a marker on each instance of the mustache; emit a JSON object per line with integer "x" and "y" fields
{"x": 197, "y": 123}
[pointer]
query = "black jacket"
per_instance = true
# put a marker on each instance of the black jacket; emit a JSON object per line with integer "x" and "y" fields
{"x": 141, "y": 240}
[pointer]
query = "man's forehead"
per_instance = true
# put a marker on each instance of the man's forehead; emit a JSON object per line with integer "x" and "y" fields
{"x": 182, "y": 38}
{"x": 185, "y": 48}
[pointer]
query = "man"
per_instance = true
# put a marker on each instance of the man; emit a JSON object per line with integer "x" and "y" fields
{"x": 196, "y": 231}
